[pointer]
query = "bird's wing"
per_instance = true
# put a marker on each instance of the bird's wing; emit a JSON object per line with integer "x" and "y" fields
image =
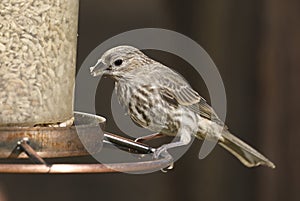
{"x": 206, "y": 111}
{"x": 201, "y": 107}
{"x": 175, "y": 86}
{"x": 176, "y": 90}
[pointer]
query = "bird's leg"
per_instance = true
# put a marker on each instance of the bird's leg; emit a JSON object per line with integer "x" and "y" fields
{"x": 149, "y": 137}
{"x": 185, "y": 139}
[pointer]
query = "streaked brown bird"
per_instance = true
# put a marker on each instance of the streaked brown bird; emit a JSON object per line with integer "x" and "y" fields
{"x": 159, "y": 99}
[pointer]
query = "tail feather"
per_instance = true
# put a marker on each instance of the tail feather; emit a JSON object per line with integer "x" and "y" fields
{"x": 245, "y": 153}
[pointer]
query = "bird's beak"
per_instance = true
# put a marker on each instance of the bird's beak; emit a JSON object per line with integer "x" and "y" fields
{"x": 99, "y": 69}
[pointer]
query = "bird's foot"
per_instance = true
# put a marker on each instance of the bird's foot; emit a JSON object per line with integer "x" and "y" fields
{"x": 162, "y": 152}
{"x": 169, "y": 167}
{"x": 149, "y": 137}
{"x": 139, "y": 139}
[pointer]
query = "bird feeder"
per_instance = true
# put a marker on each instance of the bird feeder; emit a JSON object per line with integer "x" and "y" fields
{"x": 38, "y": 42}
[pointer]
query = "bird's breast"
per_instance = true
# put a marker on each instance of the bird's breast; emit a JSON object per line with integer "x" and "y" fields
{"x": 144, "y": 104}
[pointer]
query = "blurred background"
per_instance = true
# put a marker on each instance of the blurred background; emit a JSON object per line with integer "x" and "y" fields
{"x": 255, "y": 45}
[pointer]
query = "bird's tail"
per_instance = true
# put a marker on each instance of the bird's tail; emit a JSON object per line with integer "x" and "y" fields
{"x": 245, "y": 153}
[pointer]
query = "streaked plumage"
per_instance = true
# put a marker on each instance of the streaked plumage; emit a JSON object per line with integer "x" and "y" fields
{"x": 159, "y": 99}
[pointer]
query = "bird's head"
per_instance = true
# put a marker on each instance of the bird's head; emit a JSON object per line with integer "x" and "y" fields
{"x": 118, "y": 61}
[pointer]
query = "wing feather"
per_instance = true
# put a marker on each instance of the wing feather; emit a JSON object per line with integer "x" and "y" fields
{"x": 174, "y": 85}
{"x": 176, "y": 90}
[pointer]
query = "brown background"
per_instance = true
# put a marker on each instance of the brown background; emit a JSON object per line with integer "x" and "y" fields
{"x": 255, "y": 45}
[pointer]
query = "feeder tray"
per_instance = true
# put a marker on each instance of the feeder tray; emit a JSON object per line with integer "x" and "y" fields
{"x": 40, "y": 143}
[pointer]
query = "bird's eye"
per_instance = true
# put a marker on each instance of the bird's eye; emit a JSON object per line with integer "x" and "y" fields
{"x": 118, "y": 62}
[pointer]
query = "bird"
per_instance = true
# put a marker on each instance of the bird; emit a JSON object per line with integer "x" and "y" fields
{"x": 159, "y": 99}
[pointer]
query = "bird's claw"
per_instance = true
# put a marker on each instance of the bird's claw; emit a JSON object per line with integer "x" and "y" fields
{"x": 160, "y": 152}
{"x": 139, "y": 139}
{"x": 169, "y": 167}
